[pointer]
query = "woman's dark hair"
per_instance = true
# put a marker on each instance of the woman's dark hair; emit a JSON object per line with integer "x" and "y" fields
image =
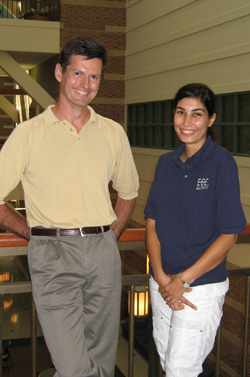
{"x": 82, "y": 46}
{"x": 205, "y": 95}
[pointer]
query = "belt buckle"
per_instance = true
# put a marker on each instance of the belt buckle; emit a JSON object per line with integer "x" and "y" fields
{"x": 81, "y": 232}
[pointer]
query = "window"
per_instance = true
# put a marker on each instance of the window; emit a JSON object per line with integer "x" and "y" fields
{"x": 150, "y": 125}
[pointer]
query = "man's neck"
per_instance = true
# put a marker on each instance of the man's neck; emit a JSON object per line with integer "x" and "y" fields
{"x": 77, "y": 116}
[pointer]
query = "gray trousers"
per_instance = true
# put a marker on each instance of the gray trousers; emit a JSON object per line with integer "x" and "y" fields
{"x": 76, "y": 285}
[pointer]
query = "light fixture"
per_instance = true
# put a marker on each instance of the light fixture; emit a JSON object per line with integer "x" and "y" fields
{"x": 5, "y": 276}
{"x": 7, "y": 304}
{"x": 140, "y": 301}
{"x": 14, "y": 318}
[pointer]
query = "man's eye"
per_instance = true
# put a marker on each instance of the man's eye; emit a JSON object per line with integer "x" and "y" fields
{"x": 197, "y": 114}
{"x": 94, "y": 77}
{"x": 77, "y": 73}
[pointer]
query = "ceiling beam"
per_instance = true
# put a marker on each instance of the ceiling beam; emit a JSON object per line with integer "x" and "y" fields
{"x": 31, "y": 87}
{"x": 9, "y": 109}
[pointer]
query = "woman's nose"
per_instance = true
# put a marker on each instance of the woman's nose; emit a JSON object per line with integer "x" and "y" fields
{"x": 187, "y": 120}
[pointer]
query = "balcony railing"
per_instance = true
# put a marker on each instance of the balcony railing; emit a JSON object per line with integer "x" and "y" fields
{"x": 131, "y": 239}
{"x": 30, "y": 10}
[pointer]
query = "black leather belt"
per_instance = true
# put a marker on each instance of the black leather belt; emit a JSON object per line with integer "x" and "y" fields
{"x": 56, "y": 232}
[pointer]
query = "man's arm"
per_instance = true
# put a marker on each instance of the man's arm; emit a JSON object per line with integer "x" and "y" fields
{"x": 13, "y": 222}
{"x": 123, "y": 210}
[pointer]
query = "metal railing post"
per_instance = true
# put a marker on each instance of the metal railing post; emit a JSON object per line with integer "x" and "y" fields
{"x": 33, "y": 338}
{"x": 218, "y": 348}
{"x": 1, "y": 335}
{"x": 245, "y": 341}
{"x": 131, "y": 333}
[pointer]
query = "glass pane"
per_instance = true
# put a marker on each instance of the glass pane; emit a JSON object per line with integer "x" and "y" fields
{"x": 139, "y": 136}
{"x": 244, "y": 139}
{"x": 131, "y": 114}
{"x": 167, "y": 137}
{"x": 148, "y": 112}
{"x": 147, "y": 136}
{"x": 244, "y": 107}
{"x": 157, "y": 136}
{"x": 140, "y": 114}
{"x": 228, "y": 109}
{"x": 132, "y": 135}
{"x": 157, "y": 113}
{"x": 167, "y": 113}
{"x": 217, "y": 100}
{"x": 227, "y": 137}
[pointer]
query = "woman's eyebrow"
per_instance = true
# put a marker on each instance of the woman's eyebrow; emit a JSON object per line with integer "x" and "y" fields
{"x": 198, "y": 109}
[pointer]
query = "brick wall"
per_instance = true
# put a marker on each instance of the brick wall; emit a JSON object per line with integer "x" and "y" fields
{"x": 106, "y": 24}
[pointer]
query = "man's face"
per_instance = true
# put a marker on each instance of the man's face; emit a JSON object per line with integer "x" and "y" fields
{"x": 80, "y": 82}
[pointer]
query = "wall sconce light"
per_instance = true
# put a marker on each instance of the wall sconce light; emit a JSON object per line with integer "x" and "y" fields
{"x": 14, "y": 318}
{"x": 7, "y": 304}
{"x": 140, "y": 301}
{"x": 5, "y": 276}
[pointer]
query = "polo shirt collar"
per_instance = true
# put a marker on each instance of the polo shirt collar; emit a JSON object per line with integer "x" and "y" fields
{"x": 197, "y": 158}
{"x": 50, "y": 118}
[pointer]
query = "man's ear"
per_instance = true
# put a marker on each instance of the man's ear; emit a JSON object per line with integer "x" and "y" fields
{"x": 58, "y": 72}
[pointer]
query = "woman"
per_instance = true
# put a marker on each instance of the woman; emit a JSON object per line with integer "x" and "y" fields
{"x": 193, "y": 215}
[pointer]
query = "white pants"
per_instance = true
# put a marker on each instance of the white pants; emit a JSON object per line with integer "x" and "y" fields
{"x": 185, "y": 337}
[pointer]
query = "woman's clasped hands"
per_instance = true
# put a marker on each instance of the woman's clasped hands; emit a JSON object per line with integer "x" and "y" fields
{"x": 172, "y": 293}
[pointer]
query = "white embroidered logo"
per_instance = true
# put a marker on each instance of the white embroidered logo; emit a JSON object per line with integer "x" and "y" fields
{"x": 202, "y": 184}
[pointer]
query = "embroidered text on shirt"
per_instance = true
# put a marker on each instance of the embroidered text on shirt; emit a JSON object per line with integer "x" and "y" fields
{"x": 202, "y": 184}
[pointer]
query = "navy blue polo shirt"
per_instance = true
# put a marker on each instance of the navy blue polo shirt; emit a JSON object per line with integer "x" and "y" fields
{"x": 192, "y": 203}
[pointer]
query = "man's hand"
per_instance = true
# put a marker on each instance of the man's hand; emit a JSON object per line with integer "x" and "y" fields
{"x": 123, "y": 210}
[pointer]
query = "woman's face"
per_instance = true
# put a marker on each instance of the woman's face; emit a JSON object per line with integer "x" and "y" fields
{"x": 191, "y": 121}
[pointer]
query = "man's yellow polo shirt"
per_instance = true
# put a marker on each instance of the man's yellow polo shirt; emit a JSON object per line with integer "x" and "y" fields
{"x": 65, "y": 174}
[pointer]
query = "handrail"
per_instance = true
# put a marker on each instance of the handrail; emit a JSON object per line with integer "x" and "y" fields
{"x": 13, "y": 9}
{"x": 131, "y": 239}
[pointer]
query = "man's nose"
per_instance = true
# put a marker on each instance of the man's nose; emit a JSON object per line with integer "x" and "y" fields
{"x": 85, "y": 81}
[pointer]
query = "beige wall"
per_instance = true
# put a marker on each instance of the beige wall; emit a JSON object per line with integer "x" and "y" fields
{"x": 171, "y": 43}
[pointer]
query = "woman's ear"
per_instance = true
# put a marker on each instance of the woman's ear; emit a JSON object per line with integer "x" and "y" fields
{"x": 212, "y": 120}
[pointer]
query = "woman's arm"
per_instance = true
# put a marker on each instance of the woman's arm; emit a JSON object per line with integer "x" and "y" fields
{"x": 154, "y": 252}
{"x": 213, "y": 256}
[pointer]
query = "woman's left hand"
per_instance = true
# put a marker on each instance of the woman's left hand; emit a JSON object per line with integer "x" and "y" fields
{"x": 172, "y": 293}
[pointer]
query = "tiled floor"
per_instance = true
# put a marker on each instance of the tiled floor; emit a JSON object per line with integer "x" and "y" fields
{"x": 17, "y": 318}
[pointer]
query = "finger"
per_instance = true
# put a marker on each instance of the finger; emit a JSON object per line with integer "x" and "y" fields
{"x": 187, "y": 290}
{"x": 188, "y": 303}
{"x": 178, "y": 306}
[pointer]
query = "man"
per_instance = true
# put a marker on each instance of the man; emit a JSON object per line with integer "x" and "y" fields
{"x": 65, "y": 158}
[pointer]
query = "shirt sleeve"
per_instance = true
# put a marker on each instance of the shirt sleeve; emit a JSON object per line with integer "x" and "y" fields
{"x": 12, "y": 161}
{"x": 230, "y": 215}
{"x": 125, "y": 177}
